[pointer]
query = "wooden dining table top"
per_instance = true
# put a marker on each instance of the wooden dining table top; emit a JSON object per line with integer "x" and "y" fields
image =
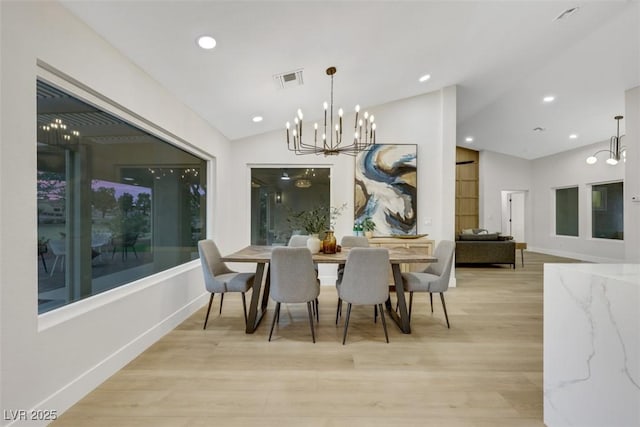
{"x": 262, "y": 254}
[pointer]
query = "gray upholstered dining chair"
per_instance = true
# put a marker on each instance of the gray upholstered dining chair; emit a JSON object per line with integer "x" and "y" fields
{"x": 354, "y": 242}
{"x": 293, "y": 280}
{"x": 435, "y": 278}
{"x": 298, "y": 241}
{"x": 218, "y": 278}
{"x": 364, "y": 282}
{"x": 351, "y": 242}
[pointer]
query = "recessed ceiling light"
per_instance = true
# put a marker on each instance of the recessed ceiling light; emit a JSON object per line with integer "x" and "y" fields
{"x": 573, "y": 136}
{"x": 206, "y": 42}
{"x": 424, "y": 78}
{"x": 257, "y": 119}
{"x": 469, "y": 139}
{"x": 549, "y": 98}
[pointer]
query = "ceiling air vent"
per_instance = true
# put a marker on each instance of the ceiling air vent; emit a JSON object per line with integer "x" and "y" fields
{"x": 288, "y": 79}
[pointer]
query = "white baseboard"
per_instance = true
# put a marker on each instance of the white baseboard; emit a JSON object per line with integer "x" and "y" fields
{"x": 70, "y": 394}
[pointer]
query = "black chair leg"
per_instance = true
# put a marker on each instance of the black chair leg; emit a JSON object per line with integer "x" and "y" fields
{"x": 317, "y": 304}
{"x": 384, "y": 323}
{"x": 44, "y": 264}
{"x": 445, "y": 309}
{"x": 375, "y": 314}
{"x": 313, "y": 335}
{"x": 346, "y": 324}
{"x": 244, "y": 308}
{"x": 208, "y": 310}
{"x": 338, "y": 309}
{"x": 410, "y": 304}
{"x": 431, "y": 299}
{"x": 221, "y": 301}
{"x": 275, "y": 317}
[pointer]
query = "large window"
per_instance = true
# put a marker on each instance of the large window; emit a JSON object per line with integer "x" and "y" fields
{"x": 567, "y": 211}
{"x": 607, "y": 211}
{"x": 115, "y": 203}
{"x": 278, "y": 195}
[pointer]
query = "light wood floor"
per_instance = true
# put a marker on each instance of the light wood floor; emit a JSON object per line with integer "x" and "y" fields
{"x": 484, "y": 371}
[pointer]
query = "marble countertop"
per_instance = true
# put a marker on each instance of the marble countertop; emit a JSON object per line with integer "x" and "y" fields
{"x": 623, "y": 272}
{"x": 592, "y": 345}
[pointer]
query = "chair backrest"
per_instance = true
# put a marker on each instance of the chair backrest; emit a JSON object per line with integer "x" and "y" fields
{"x": 354, "y": 242}
{"x": 298, "y": 241}
{"x": 444, "y": 252}
{"x": 293, "y": 278}
{"x": 212, "y": 265}
{"x": 366, "y": 274}
{"x": 58, "y": 247}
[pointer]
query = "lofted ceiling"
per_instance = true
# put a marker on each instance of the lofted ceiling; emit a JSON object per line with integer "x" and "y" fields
{"x": 504, "y": 57}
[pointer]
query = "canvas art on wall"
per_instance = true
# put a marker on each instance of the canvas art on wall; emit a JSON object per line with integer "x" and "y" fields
{"x": 385, "y": 188}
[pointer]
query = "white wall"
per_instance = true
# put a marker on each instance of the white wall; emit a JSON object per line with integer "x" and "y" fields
{"x": 565, "y": 170}
{"x": 632, "y": 176}
{"x": 426, "y": 120}
{"x": 418, "y": 120}
{"x": 50, "y": 361}
{"x": 501, "y": 172}
{"x": 540, "y": 177}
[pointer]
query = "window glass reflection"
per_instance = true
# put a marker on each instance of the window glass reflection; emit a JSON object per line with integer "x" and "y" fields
{"x": 279, "y": 195}
{"x": 115, "y": 203}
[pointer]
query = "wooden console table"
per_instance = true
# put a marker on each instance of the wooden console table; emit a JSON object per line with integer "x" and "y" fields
{"x": 420, "y": 244}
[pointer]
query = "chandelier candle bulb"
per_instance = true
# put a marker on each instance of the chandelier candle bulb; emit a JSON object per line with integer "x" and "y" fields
{"x": 325, "y": 105}
{"x": 288, "y": 125}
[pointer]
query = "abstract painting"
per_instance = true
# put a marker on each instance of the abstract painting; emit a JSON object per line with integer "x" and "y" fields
{"x": 385, "y": 188}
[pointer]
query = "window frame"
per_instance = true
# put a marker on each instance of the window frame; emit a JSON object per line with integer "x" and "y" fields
{"x": 590, "y": 210}
{"x": 554, "y": 192}
{"x": 250, "y": 166}
{"x": 62, "y": 81}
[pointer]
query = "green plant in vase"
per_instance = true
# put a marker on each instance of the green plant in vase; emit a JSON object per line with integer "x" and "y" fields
{"x": 368, "y": 226}
{"x": 313, "y": 221}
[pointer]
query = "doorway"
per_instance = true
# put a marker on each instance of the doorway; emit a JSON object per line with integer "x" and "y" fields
{"x": 513, "y": 214}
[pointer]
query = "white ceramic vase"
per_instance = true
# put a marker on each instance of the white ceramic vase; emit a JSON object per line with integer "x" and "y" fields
{"x": 313, "y": 244}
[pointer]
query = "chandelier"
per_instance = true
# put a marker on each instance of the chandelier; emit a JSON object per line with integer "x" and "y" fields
{"x": 331, "y": 142}
{"x": 303, "y": 183}
{"x": 57, "y": 134}
{"x": 616, "y": 149}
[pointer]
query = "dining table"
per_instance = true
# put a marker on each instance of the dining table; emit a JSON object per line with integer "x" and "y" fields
{"x": 261, "y": 255}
